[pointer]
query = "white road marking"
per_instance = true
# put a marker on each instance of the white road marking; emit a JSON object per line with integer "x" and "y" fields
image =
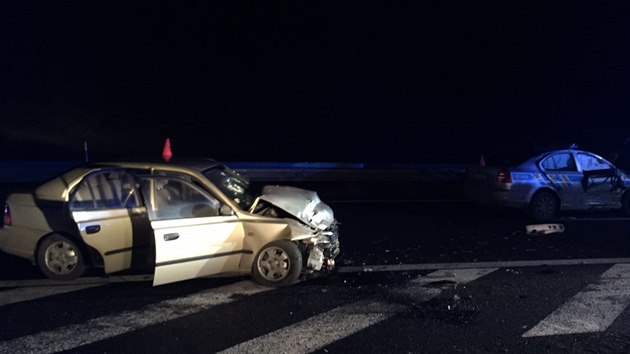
{"x": 378, "y": 201}
{"x": 15, "y": 296}
{"x": 597, "y": 219}
{"x": 73, "y": 336}
{"x": 591, "y": 310}
{"x": 507, "y": 264}
{"x": 320, "y": 330}
{"x": 79, "y": 281}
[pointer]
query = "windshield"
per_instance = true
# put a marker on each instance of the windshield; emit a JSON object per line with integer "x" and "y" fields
{"x": 231, "y": 184}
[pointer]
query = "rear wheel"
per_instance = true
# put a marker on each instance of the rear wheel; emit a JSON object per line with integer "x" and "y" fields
{"x": 543, "y": 206}
{"x": 278, "y": 263}
{"x": 60, "y": 258}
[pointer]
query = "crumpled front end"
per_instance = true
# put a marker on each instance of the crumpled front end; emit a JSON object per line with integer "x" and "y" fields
{"x": 313, "y": 226}
{"x": 303, "y": 204}
{"x": 323, "y": 249}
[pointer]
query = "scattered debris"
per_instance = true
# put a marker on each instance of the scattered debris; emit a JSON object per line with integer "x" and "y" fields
{"x": 544, "y": 229}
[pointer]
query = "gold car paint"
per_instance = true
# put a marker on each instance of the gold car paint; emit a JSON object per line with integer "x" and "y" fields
{"x": 253, "y": 231}
{"x": 196, "y": 247}
{"x": 29, "y": 225}
{"x": 259, "y": 231}
{"x": 59, "y": 187}
{"x": 113, "y": 241}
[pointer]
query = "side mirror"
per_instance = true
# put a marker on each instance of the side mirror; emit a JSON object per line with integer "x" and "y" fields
{"x": 226, "y": 210}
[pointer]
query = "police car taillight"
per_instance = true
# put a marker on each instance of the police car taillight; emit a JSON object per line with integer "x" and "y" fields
{"x": 504, "y": 176}
{"x": 8, "y": 220}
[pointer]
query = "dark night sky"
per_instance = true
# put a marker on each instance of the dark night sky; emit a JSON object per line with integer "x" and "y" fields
{"x": 436, "y": 81}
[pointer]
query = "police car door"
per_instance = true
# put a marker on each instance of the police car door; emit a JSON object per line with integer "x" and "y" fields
{"x": 195, "y": 234}
{"x": 562, "y": 174}
{"x": 601, "y": 184}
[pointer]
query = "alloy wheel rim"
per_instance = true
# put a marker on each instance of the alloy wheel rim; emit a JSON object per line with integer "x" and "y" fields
{"x": 61, "y": 257}
{"x": 274, "y": 264}
{"x": 545, "y": 206}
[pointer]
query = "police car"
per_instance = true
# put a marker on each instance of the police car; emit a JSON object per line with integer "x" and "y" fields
{"x": 550, "y": 182}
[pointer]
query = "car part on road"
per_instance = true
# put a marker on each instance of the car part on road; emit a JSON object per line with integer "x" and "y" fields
{"x": 544, "y": 229}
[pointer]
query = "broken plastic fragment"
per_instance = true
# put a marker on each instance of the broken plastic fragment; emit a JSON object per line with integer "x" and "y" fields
{"x": 544, "y": 229}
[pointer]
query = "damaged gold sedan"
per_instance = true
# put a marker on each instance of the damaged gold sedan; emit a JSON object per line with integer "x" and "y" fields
{"x": 185, "y": 220}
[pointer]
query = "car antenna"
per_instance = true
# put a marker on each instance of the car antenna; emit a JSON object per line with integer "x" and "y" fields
{"x": 573, "y": 146}
{"x": 85, "y": 151}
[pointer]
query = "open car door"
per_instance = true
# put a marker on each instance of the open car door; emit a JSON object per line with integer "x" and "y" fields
{"x": 108, "y": 212}
{"x": 195, "y": 234}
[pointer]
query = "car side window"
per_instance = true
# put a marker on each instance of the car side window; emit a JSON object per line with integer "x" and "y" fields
{"x": 173, "y": 198}
{"x": 559, "y": 162}
{"x": 111, "y": 189}
{"x": 590, "y": 163}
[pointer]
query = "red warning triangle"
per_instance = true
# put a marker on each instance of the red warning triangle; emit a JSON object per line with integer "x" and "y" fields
{"x": 166, "y": 152}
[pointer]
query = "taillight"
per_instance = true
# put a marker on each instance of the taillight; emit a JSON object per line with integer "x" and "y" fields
{"x": 504, "y": 176}
{"x": 8, "y": 220}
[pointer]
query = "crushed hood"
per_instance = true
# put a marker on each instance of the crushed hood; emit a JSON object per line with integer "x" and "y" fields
{"x": 301, "y": 203}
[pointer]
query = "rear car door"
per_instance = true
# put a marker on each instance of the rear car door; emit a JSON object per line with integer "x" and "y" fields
{"x": 108, "y": 211}
{"x": 561, "y": 172}
{"x": 195, "y": 234}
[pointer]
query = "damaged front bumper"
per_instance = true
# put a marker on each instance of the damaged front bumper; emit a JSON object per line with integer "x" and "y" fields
{"x": 322, "y": 250}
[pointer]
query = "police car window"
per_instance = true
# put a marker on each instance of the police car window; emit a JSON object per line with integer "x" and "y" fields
{"x": 559, "y": 162}
{"x": 591, "y": 163}
{"x": 111, "y": 189}
{"x": 174, "y": 198}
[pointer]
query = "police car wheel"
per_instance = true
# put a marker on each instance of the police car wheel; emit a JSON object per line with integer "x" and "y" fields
{"x": 543, "y": 206}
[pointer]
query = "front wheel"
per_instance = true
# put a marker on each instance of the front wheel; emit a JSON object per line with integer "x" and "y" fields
{"x": 60, "y": 258}
{"x": 543, "y": 206}
{"x": 278, "y": 263}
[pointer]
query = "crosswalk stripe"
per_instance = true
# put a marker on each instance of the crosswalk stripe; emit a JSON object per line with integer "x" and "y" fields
{"x": 499, "y": 264}
{"x": 72, "y": 336}
{"x": 591, "y": 310}
{"x": 323, "y": 329}
{"x": 14, "y": 296}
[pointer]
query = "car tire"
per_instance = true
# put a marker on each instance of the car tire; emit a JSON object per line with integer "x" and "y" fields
{"x": 625, "y": 203}
{"x": 544, "y": 206}
{"x": 60, "y": 258}
{"x": 279, "y": 263}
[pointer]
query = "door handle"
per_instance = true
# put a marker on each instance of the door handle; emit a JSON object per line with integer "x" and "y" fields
{"x": 171, "y": 237}
{"x": 92, "y": 229}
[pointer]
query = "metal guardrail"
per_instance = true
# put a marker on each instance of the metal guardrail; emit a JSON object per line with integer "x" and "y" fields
{"x": 37, "y": 171}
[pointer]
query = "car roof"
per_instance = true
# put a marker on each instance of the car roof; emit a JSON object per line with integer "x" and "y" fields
{"x": 57, "y": 187}
{"x": 197, "y": 164}
{"x": 547, "y": 153}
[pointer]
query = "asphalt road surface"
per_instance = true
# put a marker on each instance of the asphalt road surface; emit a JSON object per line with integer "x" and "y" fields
{"x": 434, "y": 276}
